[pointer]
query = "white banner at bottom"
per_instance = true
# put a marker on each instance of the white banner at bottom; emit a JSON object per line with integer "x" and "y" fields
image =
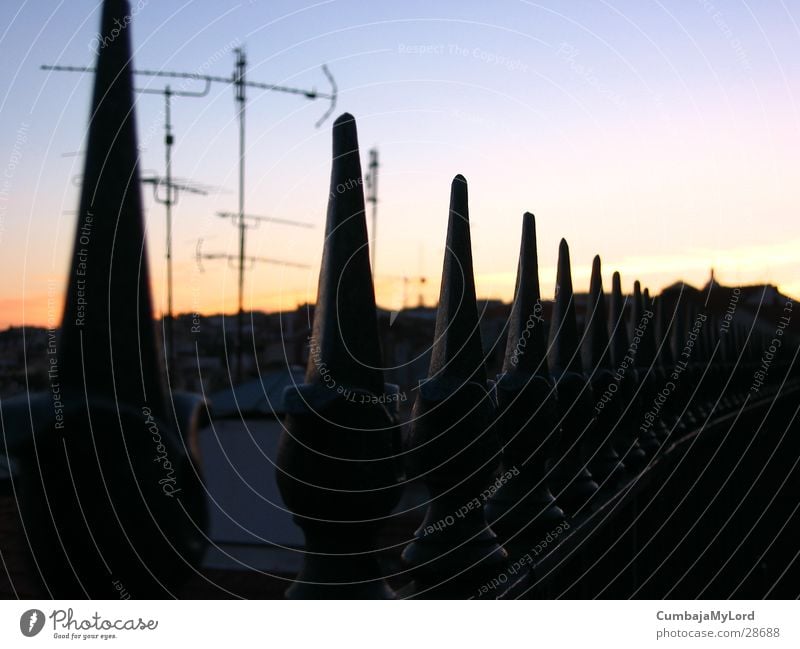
{"x": 399, "y": 625}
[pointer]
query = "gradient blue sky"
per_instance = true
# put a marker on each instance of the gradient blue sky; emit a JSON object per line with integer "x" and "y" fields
{"x": 661, "y": 135}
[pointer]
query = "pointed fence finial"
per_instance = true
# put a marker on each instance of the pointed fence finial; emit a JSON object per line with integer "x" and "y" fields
{"x": 523, "y": 510}
{"x": 596, "y": 353}
{"x": 345, "y": 329}
{"x": 619, "y": 332}
{"x": 526, "y": 342}
{"x": 564, "y": 340}
{"x": 623, "y": 363}
{"x": 453, "y": 440}
{"x": 338, "y": 463}
{"x": 457, "y": 351}
{"x": 605, "y": 463}
{"x": 642, "y": 326}
{"x": 572, "y": 480}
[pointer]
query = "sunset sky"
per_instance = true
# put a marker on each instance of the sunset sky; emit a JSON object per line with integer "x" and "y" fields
{"x": 663, "y": 136}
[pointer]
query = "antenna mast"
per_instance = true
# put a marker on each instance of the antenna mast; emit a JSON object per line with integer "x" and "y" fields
{"x": 372, "y": 197}
{"x": 169, "y": 199}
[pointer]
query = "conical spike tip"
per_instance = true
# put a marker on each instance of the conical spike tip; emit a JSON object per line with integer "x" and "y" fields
{"x": 619, "y": 330}
{"x": 106, "y": 348}
{"x": 345, "y": 345}
{"x": 457, "y": 351}
{"x": 525, "y": 345}
{"x": 595, "y": 340}
{"x": 345, "y": 135}
{"x": 564, "y": 342}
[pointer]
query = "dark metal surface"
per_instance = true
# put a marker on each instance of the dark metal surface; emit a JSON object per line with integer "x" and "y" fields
{"x": 453, "y": 441}
{"x": 572, "y": 479}
{"x": 338, "y": 463}
{"x": 108, "y": 489}
{"x": 624, "y": 365}
{"x": 605, "y": 463}
{"x": 523, "y": 510}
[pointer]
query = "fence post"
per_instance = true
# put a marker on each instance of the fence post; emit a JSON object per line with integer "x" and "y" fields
{"x": 623, "y": 358}
{"x": 665, "y": 366}
{"x": 605, "y": 465}
{"x": 641, "y": 329}
{"x": 572, "y": 480}
{"x": 651, "y": 361}
{"x": 339, "y": 455}
{"x": 523, "y": 510}
{"x": 453, "y": 440}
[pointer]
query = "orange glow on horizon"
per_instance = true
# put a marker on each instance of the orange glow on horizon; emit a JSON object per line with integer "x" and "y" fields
{"x": 736, "y": 267}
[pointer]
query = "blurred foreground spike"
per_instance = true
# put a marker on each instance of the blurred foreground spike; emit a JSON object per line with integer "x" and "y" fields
{"x": 453, "y": 440}
{"x": 108, "y": 340}
{"x": 109, "y": 486}
{"x": 338, "y": 458}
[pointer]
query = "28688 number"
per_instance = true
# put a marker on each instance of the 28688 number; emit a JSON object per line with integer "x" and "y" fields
{"x": 761, "y": 632}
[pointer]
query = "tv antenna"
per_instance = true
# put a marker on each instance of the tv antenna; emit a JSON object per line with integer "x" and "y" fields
{"x": 372, "y": 197}
{"x": 264, "y": 219}
{"x": 245, "y": 221}
{"x": 240, "y": 84}
{"x": 232, "y": 259}
{"x": 171, "y": 192}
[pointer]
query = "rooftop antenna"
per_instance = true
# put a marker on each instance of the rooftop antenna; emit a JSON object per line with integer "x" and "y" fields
{"x": 169, "y": 198}
{"x": 237, "y": 262}
{"x": 250, "y": 260}
{"x": 247, "y": 262}
{"x": 264, "y": 219}
{"x": 239, "y": 83}
{"x": 372, "y": 197}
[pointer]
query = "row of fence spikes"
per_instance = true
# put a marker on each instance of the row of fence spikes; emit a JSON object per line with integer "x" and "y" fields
{"x": 346, "y": 334}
